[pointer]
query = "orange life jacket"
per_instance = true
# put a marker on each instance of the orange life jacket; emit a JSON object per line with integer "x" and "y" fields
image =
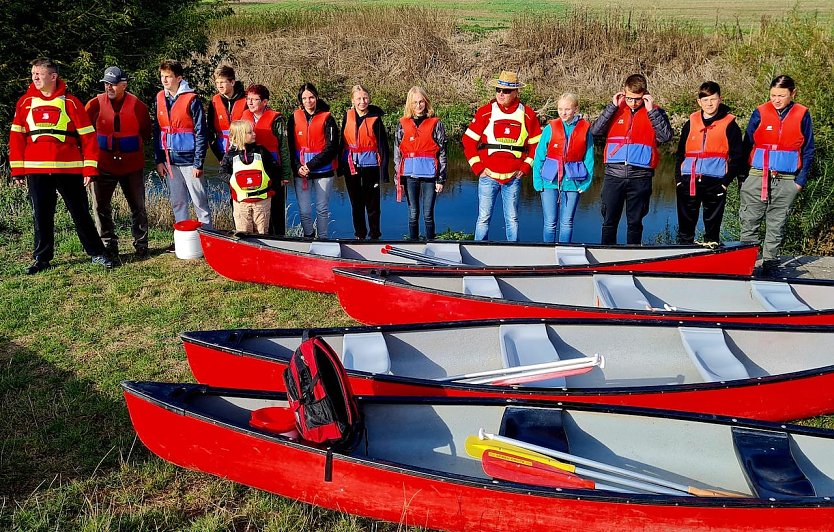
{"x": 222, "y": 120}
{"x": 310, "y": 139}
{"x": 777, "y": 142}
{"x": 418, "y": 148}
{"x": 361, "y": 145}
{"x": 566, "y": 156}
{"x": 707, "y": 150}
{"x": 631, "y": 139}
{"x": 177, "y": 125}
{"x": 263, "y": 131}
{"x": 120, "y": 151}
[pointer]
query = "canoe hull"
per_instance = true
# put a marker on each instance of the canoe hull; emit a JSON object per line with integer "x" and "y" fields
{"x": 241, "y": 259}
{"x": 424, "y": 499}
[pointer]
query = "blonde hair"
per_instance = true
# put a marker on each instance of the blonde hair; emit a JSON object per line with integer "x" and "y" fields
{"x": 359, "y": 87}
{"x": 238, "y": 132}
{"x": 571, "y": 97}
{"x": 408, "y": 112}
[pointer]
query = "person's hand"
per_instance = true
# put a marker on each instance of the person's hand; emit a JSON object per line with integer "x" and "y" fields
{"x": 87, "y": 180}
{"x": 198, "y": 173}
{"x": 618, "y": 99}
{"x": 285, "y": 182}
{"x": 517, "y": 174}
{"x": 19, "y": 180}
{"x": 438, "y": 187}
{"x": 648, "y": 101}
{"x": 798, "y": 186}
{"x": 486, "y": 173}
{"x": 304, "y": 171}
{"x": 162, "y": 169}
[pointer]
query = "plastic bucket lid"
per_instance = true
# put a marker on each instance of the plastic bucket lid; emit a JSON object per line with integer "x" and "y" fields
{"x": 187, "y": 225}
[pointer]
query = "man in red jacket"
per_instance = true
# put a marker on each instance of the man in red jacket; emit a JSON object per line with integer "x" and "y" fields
{"x": 499, "y": 145}
{"x": 52, "y": 147}
{"x": 123, "y": 125}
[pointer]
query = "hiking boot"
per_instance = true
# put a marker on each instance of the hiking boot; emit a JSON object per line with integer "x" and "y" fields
{"x": 141, "y": 252}
{"x": 37, "y": 267}
{"x": 111, "y": 252}
{"x": 102, "y": 260}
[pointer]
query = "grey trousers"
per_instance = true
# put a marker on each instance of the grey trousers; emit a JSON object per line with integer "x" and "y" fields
{"x": 774, "y": 212}
{"x": 182, "y": 184}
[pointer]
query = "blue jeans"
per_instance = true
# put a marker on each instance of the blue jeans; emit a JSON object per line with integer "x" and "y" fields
{"x": 488, "y": 189}
{"x": 564, "y": 210}
{"x": 421, "y": 195}
{"x": 322, "y": 186}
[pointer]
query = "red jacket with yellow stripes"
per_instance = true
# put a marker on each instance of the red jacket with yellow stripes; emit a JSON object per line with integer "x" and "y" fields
{"x": 52, "y": 135}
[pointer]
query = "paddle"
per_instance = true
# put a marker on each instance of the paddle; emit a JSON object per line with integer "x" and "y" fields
{"x": 512, "y": 468}
{"x": 596, "y": 360}
{"x": 388, "y": 249}
{"x": 566, "y": 369}
{"x": 690, "y": 490}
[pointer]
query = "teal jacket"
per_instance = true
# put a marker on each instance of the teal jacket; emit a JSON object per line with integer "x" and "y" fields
{"x": 568, "y": 185}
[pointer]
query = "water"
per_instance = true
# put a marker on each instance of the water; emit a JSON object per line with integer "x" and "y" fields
{"x": 457, "y": 206}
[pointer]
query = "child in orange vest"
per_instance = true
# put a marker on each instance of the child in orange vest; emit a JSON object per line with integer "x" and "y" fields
{"x": 251, "y": 169}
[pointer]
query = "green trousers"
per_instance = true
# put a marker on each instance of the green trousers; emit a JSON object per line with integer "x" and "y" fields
{"x": 774, "y": 211}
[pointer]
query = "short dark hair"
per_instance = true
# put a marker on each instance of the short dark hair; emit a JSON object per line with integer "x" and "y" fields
{"x": 173, "y": 66}
{"x": 708, "y": 88}
{"x": 783, "y": 82}
{"x": 307, "y": 87}
{"x": 260, "y": 90}
{"x": 225, "y": 71}
{"x": 636, "y": 83}
{"x": 46, "y": 63}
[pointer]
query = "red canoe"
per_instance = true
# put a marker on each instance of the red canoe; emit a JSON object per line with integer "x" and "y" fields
{"x": 416, "y": 462}
{"x": 394, "y": 297}
{"x": 741, "y": 370}
{"x": 308, "y": 265}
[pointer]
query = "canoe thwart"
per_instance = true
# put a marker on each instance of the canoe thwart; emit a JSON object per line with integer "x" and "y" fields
{"x": 481, "y": 285}
{"x": 571, "y": 256}
{"x": 769, "y": 465}
{"x": 326, "y": 249}
{"x": 619, "y": 292}
{"x": 777, "y": 296}
{"x": 366, "y": 352}
{"x": 708, "y": 350}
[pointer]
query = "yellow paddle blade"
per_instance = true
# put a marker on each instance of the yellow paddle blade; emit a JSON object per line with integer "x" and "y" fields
{"x": 476, "y": 447}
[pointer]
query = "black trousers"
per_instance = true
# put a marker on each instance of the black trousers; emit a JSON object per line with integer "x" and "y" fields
{"x": 363, "y": 191}
{"x": 278, "y": 212}
{"x": 634, "y": 194}
{"x": 43, "y": 193}
{"x": 713, "y": 196}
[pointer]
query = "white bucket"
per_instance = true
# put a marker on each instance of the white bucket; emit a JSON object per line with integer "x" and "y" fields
{"x": 187, "y": 240}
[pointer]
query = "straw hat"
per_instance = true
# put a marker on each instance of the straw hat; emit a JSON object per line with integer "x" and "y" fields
{"x": 507, "y": 80}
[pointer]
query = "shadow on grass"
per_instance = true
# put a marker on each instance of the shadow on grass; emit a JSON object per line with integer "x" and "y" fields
{"x": 54, "y": 427}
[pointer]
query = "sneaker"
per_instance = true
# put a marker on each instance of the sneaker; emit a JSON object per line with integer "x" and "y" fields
{"x": 171, "y": 249}
{"x": 102, "y": 260}
{"x": 38, "y": 266}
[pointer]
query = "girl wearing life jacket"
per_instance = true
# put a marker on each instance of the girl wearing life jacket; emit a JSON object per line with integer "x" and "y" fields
{"x": 780, "y": 143}
{"x": 563, "y": 167}
{"x": 313, "y": 148}
{"x": 710, "y": 155}
{"x": 420, "y": 160}
{"x": 364, "y": 161}
{"x": 251, "y": 169}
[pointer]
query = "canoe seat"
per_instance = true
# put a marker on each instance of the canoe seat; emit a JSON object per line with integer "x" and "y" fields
{"x": 481, "y": 285}
{"x": 769, "y": 465}
{"x": 366, "y": 352}
{"x": 444, "y": 250}
{"x": 777, "y": 296}
{"x": 525, "y": 345}
{"x": 326, "y": 249}
{"x": 539, "y": 426}
{"x": 571, "y": 256}
{"x": 618, "y": 291}
{"x": 710, "y": 354}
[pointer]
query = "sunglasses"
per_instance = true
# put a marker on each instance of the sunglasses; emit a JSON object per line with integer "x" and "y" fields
{"x": 505, "y": 91}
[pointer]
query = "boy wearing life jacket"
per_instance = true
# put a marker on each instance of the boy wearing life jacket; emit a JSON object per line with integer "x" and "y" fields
{"x": 779, "y": 142}
{"x": 710, "y": 155}
{"x": 123, "y": 124}
{"x": 633, "y": 126}
{"x": 226, "y": 106}
{"x": 180, "y": 141}
{"x": 251, "y": 169}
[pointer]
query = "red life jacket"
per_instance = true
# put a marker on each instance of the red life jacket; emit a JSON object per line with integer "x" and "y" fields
{"x": 707, "y": 150}
{"x": 418, "y": 149}
{"x": 222, "y": 120}
{"x": 777, "y": 142}
{"x": 631, "y": 139}
{"x": 361, "y": 145}
{"x": 310, "y": 140}
{"x": 177, "y": 126}
{"x": 120, "y": 151}
{"x": 263, "y": 131}
{"x": 566, "y": 156}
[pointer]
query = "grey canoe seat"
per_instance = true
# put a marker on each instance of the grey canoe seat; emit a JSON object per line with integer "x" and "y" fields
{"x": 528, "y": 344}
{"x": 326, "y": 249}
{"x": 618, "y": 291}
{"x": 710, "y": 354}
{"x": 571, "y": 256}
{"x": 481, "y": 285}
{"x": 366, "y": 352}
{"x": 776, "y": 296}
{"x": 444, "y": 250}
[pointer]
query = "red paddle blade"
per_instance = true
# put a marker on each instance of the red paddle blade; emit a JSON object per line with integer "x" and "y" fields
{"x": 522, "y": 470}
{"x": 510, "y": 380}
{"x": 273, "y": 419}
